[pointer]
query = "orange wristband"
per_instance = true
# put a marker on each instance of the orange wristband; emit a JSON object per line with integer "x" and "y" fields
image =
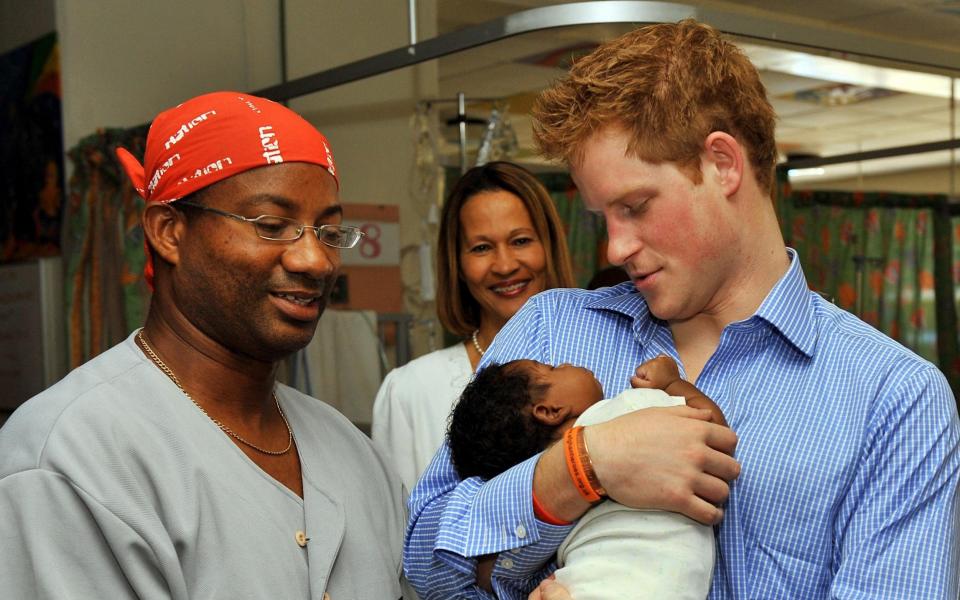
{"x": 588, "y": 465}
{"x": 580, "y": 467}
{"x": 540, "y": 512}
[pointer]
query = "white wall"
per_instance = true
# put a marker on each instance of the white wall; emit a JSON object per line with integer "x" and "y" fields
{"x": 123, "y": 62}
{"x": 19, "y": 26}
{"x": 368, "y": 121}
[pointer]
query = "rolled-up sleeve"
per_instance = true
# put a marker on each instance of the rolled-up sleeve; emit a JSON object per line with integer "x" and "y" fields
{"x": 453, "y": 522}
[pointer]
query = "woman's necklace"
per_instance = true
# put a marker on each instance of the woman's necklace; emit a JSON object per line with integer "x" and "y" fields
{"x": 169, "y": 373}
{"x": 476, "y": 344}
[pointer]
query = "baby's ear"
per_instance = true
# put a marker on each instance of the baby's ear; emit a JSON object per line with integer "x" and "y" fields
{"x": 550, "y": 414}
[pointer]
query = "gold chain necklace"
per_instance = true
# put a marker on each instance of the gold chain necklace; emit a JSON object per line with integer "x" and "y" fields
{"x": 169, "y": 373}
{"x": 476, "y": 343}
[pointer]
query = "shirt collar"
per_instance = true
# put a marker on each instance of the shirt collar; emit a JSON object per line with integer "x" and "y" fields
{"x": 787, "y": 308}
{"x": 623, "y": 298}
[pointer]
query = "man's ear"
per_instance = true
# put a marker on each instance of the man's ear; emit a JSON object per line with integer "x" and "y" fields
{"x": 550, "y": 414}
{"x": 163, "y": 227}
{"x": 724, "y": 159}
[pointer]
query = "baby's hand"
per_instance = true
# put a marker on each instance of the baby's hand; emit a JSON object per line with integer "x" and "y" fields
{"x": 656, "y": 373}
{"x": 549, "y": 589}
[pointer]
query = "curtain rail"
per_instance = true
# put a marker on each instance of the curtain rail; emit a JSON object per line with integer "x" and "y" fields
{"x": 618, "y": 11}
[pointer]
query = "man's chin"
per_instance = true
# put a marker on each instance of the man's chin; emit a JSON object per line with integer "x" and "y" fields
{"x": 663, "y": 311}
{"x": 290, "y": 338}
{"x": 289, "y": 335}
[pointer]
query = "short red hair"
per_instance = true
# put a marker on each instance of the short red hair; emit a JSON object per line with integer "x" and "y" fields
{"x": 669, "y": 85}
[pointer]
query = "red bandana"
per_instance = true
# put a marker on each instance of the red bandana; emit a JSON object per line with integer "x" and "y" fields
{"x": 215, "y": 136}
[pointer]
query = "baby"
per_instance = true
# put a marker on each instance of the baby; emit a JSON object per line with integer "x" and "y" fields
{"x": 512, "y": 411}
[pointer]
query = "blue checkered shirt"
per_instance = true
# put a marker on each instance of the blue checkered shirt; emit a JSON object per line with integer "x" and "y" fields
{"x": 848, "y": 446}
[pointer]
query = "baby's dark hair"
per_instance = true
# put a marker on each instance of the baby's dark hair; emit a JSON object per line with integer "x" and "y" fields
{"x": 492, "y": 427}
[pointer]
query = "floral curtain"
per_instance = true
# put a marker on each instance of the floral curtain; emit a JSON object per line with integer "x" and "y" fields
{"x": 106, "y": 297}
{"x": 884, "y": 257}
{"x": 586, "y": 233}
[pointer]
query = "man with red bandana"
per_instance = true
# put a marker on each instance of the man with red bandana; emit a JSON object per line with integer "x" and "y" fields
{"x": 174, "y": 465}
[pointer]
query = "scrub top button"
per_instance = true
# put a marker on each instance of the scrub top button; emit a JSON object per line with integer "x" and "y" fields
{"x": 301, "y": 538}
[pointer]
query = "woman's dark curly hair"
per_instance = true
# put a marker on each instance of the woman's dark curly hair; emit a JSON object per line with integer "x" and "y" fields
{"x": 492, "y": 427}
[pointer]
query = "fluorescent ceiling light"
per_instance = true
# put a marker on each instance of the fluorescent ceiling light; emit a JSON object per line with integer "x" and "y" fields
{"x": 812, "y": 172}
{"x": 886, "y": 166}
{"x": 847, "y": 71}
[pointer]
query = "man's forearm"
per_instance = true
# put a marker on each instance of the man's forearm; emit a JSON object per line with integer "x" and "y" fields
{"x": 554, "y": 488}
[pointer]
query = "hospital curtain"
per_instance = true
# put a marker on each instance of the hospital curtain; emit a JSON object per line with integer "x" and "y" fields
{"x": 586, "y": 234}
{"x": 105, "y": 295}
{"x": 891, "y": 259}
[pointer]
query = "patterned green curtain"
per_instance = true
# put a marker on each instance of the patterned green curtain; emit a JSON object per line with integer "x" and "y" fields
{"x": 586, "y": 234}
{"x": 953, "y": 259}
{"x": 876, "y": 255}
{"x": 106, "y": 296}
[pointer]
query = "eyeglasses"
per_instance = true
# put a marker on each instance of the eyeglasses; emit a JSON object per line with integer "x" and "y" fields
{"x": 282, "y": 229}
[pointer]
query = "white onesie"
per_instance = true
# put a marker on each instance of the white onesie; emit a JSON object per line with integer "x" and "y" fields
{"x": 616, "y": 552}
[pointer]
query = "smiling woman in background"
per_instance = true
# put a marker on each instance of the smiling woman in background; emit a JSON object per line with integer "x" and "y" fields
{"x": 501, "y": 241}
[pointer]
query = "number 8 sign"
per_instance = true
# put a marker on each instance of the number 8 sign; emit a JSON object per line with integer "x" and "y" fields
{"x": 370, "y": 242}
{"x": 379, "y": 246}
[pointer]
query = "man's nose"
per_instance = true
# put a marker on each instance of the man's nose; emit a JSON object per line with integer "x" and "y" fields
{"x": 622, "y": 243}
{"x": 311, "y": 257}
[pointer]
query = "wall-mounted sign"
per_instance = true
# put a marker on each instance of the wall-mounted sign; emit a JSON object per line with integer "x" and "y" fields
{"x": 371, "y": 270}
{"x": 379, "y": 246}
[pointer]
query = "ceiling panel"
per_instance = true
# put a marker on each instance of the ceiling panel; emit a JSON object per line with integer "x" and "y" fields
{"x": 902, "y": 118}
{"x": 930, "y": 23}
{"x": 909, "y": 103}
{"x": 792, "y": 109}
{"x": 827, "y": 10}
{"x": 778, "y": 83}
